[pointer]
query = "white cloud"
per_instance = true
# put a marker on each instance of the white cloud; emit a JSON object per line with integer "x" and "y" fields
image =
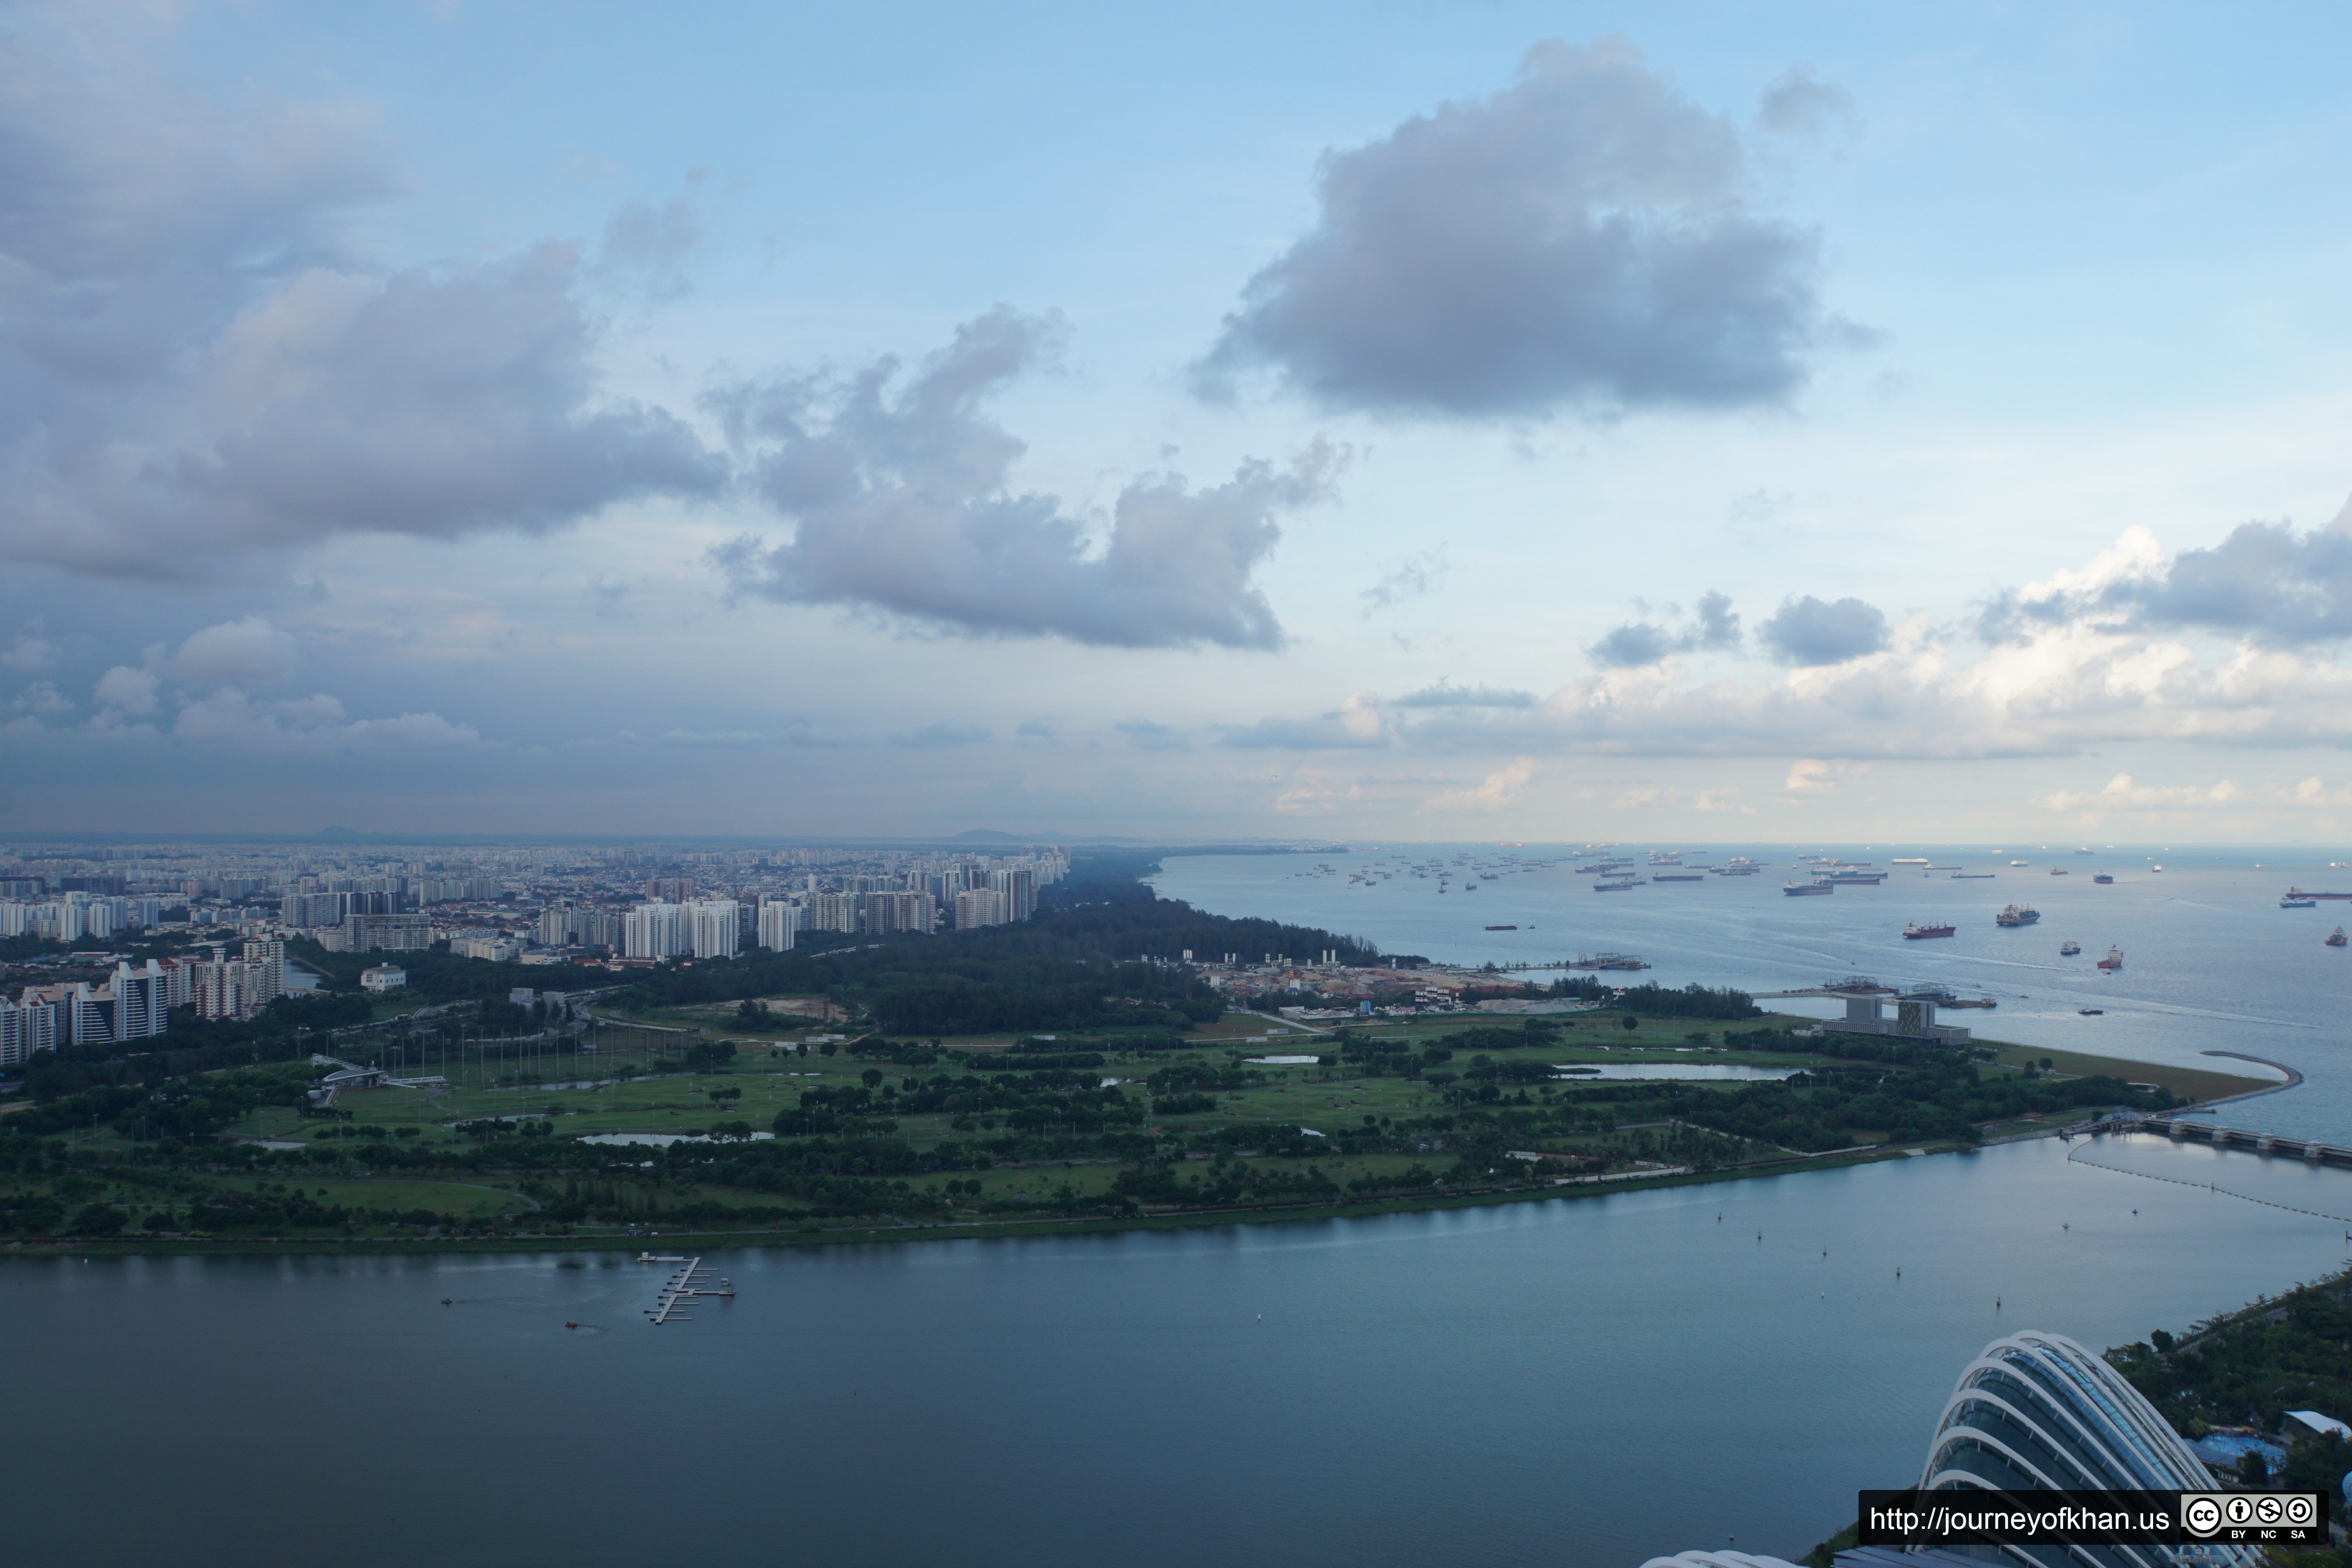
{"x": 1500, "y": 789}
{"x": 127, "y": 690}
{"x": 2120, "y": 792}
{"x": 228, "y": 717}
{"x": 247, "y": 649}
{"x": 1585, "y": 236}
{"x": 30, "y": 652}
{"x": 42, "y": 697}
{"x": 195, "y": 361}
{"x": 904, "y": 505}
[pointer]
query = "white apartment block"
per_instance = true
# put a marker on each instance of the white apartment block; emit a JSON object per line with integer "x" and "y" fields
{"x": 780, "y": 924}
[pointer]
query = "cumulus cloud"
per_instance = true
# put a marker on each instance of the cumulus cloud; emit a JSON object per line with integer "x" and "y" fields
{"x": 1356, "y": 724}
{"x": 1811, "y": 631}
{"x": 904, "y": 505}
{"x": 2121, "y": 792}
{"x": 41, "y": 697}
{"x": 195, "y": 361}
{"x": 247, "y": 649}
{"x": 127, "y": 690}
{"x": 1714, "y": 628}
{"x": 30, "y": 652}
{"x": 1584, "y": 238}
{"x": 2264, "y": 582}
{"x": 228, "y": 717}
{"x": 1500, "y": 789}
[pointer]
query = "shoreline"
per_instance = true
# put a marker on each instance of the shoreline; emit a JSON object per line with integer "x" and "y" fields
{"x": 966, "y": 1230}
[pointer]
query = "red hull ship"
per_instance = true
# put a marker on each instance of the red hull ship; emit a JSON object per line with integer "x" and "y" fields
{"x": 1914, "y": 932}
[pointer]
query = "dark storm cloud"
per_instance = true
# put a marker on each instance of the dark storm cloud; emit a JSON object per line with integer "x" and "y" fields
{"x": 1811, "y": 631}
{"x": 903, "y": 505}
{"x": 193, "y": 360}
{"x": 1714, "y": 628}
{"x": 1581, "y": 239}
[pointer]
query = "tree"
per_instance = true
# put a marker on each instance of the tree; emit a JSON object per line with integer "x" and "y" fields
{"x": 1630, "y": 1022}
{"x": 2162, "y": 1341}
{"x": 2253, "y": 1470}
{"x": 99, "y": 1219}
{"x": 870, "y": 1077}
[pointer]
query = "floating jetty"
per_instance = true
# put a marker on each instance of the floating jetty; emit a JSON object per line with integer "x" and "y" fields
{"x": 684, "y": 1286}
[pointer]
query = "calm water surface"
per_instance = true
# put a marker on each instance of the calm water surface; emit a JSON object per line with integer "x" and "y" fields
{"x": 1574, "y": 1382}
{"x": 2211, "y": 962}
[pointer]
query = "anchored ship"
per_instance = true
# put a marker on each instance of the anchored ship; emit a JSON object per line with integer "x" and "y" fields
{"x": 1913, "y": 933}
{"x": 2291, "y": 902}
{"x": 2069, "y": 949}
{"x": 2114, "y": 958}
{"x": 2336, "y": 937}
{"x": 1807, "y": 890}
{"x": 2103, "y": 879}
{"x": 2017, "y": 915}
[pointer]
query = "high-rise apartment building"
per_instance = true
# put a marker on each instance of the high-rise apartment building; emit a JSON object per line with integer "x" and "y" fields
{"x": 714, "y": 927}
{"x": 656, "y": 931}
{"x": 832, "y": 912}
{"x": 780, "y": 924}
{"x": 388, "y": 933}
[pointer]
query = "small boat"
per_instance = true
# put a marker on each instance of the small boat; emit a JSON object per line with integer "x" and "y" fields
{"x": 2114, "y": 958}
{"x": 2091, "y": 1012}
{"x": 2291, "y": 902}
{"x": 2069, "y": 949}
{"x": 570, "y": 1325}
{"x": 2336, "y": 937}
{"x": 1914, "y": 932}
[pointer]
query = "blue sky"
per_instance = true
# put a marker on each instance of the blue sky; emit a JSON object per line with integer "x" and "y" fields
{"x": 1432, "y": 421}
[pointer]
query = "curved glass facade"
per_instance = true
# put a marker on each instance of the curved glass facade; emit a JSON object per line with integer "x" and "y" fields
{"x": 2037, "y": 1412}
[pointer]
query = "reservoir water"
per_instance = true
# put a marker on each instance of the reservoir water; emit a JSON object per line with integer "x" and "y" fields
{"x": 2211, "y": 962}
{"x": 1586, "y": 1381}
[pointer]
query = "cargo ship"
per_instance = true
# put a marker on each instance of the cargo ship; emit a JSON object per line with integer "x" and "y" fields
{"x": 2291, "y": 902}
{"x": 2103, "y": 880}
{"x": 1807, "y": 890}
{"x": 2069, "y": 949}
{"x": 1502, "y": 928}
{"x": 1679, "y": 877}
{"x": 1915, "y": 931}
{"x": 1857, "y": 878}
{"x": 2299, "y": 893}
{"x": 2017, "y": 915}
{"x": 2114, "y": 958}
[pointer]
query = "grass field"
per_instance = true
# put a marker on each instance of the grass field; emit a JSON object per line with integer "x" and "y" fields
{"x": 2189, "y": 1083}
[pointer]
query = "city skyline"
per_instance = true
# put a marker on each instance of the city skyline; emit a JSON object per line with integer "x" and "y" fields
{"x": 1440, "y": 425}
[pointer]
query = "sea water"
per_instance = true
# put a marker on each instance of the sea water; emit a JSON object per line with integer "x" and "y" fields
{"x": 2211, "y": 962}
{"x": 1587, "y": 1381}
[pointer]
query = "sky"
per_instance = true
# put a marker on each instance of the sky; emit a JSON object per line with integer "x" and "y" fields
{"x": 1562, "y": 422}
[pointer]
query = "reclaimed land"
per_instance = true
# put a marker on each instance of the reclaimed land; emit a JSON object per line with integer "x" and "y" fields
{"x": 1065, "y": 1075}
